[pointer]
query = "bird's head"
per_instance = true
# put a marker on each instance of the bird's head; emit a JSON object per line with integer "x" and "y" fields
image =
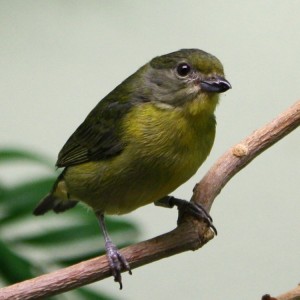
{"x": 178, "y": 78}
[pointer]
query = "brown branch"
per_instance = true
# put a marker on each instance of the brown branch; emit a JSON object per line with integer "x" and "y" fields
{"x": 189, "y": 235}
{"x": 293, "y": 294}
{"x": 240, "y": 155}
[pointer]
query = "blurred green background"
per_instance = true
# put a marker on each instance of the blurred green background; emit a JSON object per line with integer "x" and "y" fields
{"x": 32, "y": 246}
{"x": 59, "y": 58}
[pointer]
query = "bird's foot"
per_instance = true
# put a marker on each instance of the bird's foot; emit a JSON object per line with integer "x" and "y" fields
{"x": 117, "y": 262}
{"x": 185, "y": 207}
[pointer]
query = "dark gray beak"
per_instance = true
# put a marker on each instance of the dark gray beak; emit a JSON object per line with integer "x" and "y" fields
{"x": 216, "y": 84}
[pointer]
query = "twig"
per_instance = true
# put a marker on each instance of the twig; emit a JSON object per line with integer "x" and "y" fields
{"x": 239, "y": 156}
{"x": 293, "y": 294}
{"x": 189, "y": 235}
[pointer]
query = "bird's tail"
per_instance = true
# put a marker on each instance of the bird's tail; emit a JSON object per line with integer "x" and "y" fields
{"x": 57, "y": 200}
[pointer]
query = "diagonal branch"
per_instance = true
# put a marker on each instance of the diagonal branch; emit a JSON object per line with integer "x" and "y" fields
{"x": 240, "y": 155}
{"x": 189, "y": 235}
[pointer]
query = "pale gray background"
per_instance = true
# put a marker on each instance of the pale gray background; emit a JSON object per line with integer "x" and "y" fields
{"x": 58, "y": 58}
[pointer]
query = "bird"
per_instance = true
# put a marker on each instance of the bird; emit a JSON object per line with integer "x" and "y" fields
{"x": 143, "y": 140}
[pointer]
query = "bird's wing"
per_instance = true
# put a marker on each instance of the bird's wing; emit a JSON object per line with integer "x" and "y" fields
{"x": 98, "y": 137}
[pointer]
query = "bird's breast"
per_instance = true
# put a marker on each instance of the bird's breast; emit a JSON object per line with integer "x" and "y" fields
{"x": 170, "y": 141}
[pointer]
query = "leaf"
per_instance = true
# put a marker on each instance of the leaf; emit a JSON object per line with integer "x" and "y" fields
{"x": 22, "y": 199}
{"x": 13, "y": 268}
{"x": 11, "y": 155}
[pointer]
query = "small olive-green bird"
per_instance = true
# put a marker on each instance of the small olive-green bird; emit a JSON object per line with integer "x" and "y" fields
{"x": 142, "y": 141}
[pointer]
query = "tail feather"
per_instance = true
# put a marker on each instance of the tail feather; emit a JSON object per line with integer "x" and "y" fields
{"x": 50, "y": 202}
{"x": 46, "y": 204}
{"x": 57, "y": 200}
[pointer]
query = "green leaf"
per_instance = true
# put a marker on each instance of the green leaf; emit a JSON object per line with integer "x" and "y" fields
{"x": 13, "y": 267}
{"x": 11, "y": 155}
{"x": 63, "y": 235}
{"x": 21, "y": 199}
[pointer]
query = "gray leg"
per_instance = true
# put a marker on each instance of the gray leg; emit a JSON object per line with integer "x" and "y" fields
{"x": 186, "y": 207}
{"x": 116, "y": 261}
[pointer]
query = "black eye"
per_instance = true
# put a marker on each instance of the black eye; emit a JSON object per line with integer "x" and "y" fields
{"x": 183, "y": 69}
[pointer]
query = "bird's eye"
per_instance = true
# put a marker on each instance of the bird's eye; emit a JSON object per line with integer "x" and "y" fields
{"x": 183, "y": 69}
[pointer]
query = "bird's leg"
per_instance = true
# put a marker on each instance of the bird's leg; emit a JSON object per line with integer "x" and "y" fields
{"x": 186, "y": 207}
{"x": 117, "y": 262}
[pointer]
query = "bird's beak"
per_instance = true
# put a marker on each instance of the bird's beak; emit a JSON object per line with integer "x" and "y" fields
{"x": 216, "y": 84}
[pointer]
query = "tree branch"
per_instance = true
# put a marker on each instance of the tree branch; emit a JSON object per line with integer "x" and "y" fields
{"x": 293, "y": 294}
{"x": 189, "y": 235}
{"x": 240, "y": 155}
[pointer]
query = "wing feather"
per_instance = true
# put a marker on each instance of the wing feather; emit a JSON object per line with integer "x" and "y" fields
{"x": 98, "y": 137}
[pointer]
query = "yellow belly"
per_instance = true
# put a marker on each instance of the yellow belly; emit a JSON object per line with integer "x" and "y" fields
{"x": 163, "y": 151}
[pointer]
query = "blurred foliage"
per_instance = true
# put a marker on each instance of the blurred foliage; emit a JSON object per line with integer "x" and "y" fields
{"x": 30, "y": 246}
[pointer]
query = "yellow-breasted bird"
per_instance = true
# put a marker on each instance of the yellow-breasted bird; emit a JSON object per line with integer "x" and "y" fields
{"x": 143, "y": 140}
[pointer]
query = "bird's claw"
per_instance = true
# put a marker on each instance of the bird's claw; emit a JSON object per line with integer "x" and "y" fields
{"x": 194, "y": 209}
{"x": 117, "y": 262}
